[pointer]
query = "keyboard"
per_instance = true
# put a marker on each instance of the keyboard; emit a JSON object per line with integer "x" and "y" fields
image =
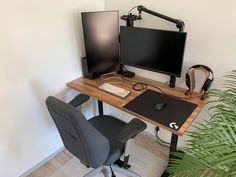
{"x": 117, "y": 91}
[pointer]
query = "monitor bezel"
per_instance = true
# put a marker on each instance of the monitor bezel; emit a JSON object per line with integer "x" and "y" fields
{"x": 117, "y": 62}
{"x": 151, "y": 69}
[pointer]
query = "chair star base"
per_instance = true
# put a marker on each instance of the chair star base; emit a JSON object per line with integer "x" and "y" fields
{"x": 107, "y": 171}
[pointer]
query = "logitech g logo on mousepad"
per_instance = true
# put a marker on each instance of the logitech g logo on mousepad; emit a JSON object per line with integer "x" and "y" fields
{"x": 173, "y": 114}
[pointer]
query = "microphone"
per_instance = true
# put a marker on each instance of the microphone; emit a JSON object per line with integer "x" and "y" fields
{"x": 130, "y": 18}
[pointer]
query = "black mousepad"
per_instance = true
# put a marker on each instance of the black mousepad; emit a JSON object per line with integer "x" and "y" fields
{"x": 174, "y": 113}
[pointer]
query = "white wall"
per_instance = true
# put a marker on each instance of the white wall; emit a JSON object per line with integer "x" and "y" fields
{"x": 211, "y": 28}
{"x": 39, "y": 53}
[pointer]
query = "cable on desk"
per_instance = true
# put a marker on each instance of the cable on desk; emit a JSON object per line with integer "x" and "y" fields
{"x": 110, "y": 76}
{"x": 139, "y": 86}
{"x": 164, "y": 92}
{"x": 184, "y": 98}
{"x": 143, "y": 86}
{"x": 129, "y": 80}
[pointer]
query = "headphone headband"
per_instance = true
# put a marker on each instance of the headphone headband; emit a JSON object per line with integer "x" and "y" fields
{"x": 190, "y": 78}
{"x": 205, "y": 67}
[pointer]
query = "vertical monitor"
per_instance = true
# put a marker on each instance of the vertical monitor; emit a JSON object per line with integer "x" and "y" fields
{"x": 101, "y": 38}
{"x": 156, "y": 50}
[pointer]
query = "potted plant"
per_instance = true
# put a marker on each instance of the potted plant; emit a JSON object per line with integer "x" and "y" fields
{"x": 212, "y": 148}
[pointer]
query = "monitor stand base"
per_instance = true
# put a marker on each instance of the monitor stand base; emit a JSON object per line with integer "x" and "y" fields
{"x": 125, "y": 73}
{"x": 85, "y": 70}
{"x": 172, "y": 82}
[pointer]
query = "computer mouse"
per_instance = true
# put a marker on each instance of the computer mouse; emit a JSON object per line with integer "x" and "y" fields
{"x": 159, "y": 106}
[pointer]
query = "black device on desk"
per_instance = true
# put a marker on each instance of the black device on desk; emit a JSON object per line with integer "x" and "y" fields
{"x": 159, "y": 106}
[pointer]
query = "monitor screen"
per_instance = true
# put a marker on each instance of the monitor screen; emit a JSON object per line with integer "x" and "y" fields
{"x": 156, "y": 50}
{"x": 101, "y": 38}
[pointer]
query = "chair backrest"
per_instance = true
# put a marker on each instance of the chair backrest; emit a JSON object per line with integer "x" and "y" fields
{"x": 78, "y": 135}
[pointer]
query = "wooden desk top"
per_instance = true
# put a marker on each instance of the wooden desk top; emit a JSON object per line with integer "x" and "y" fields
{"x": 90, "y": 87}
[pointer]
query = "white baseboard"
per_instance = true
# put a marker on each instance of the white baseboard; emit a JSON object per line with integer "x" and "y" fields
{"x": 41, "y": 163}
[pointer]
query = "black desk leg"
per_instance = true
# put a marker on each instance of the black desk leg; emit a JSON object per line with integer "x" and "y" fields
{"x": 173, "y": 143}
{"x": 100, "y": 107}
{"x": 173, "y": 146}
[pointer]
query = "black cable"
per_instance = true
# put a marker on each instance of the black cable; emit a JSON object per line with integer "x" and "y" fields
{"x": 132, "y": 9}
{"x": 165, "y": 92}
{"x": 157, "y": 88}
{"x": 112, "y": 173}
{"x": 125, "y": 68}
{"x": 145, "y": 86}
{"x": 160, "y": 140}
{"x": 139, "y": 86}
{"x": 184, "y": 98}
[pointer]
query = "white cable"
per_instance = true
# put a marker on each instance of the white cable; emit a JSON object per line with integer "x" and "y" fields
{"x": 106, "y": 77}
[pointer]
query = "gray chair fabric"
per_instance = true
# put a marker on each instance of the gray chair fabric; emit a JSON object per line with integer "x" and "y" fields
{"x": 110, "y": 127}
{"x": 78, "y": 135}
{"x": 94, "y": 142}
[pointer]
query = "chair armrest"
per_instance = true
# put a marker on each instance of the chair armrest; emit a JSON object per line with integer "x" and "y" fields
{"x": 134, "y": 127}
{"x": 79, "y": 99}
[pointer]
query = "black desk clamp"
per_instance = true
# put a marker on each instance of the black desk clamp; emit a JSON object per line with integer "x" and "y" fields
{"x": 130, "y": 18}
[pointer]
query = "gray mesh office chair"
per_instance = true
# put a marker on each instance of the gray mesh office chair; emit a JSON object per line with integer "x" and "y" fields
{"x": 98, "y": 142}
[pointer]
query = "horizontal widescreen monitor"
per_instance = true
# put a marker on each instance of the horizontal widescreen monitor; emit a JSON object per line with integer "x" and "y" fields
{"x": 156, "y": 50}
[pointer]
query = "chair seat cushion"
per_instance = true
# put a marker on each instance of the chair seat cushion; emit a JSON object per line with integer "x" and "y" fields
{"x": 110, "y": 127}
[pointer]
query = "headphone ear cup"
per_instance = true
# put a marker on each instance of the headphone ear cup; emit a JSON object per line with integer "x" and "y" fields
{"x": 207, "y": 85}
{"x": 187, "y": 80}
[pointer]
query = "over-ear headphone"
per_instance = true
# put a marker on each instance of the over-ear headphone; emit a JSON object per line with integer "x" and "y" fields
{"x": 190, "y": 78}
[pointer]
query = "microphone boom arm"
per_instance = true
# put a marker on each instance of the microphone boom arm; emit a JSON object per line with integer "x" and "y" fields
{"x": 179, "y": 23}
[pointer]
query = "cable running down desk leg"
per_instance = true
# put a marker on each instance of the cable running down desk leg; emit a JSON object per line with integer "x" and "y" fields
{"x": 100, "y": 107}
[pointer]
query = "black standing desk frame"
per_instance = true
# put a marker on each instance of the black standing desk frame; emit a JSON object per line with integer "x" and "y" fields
{"x": 100, "y": 108}
{"x": 173, "y": 148}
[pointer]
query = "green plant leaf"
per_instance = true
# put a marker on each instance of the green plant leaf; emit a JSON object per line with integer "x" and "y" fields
{"x": 211, "y": 151}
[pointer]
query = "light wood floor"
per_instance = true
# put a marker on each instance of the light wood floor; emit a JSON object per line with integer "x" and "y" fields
{"x": 148, "y": 159}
